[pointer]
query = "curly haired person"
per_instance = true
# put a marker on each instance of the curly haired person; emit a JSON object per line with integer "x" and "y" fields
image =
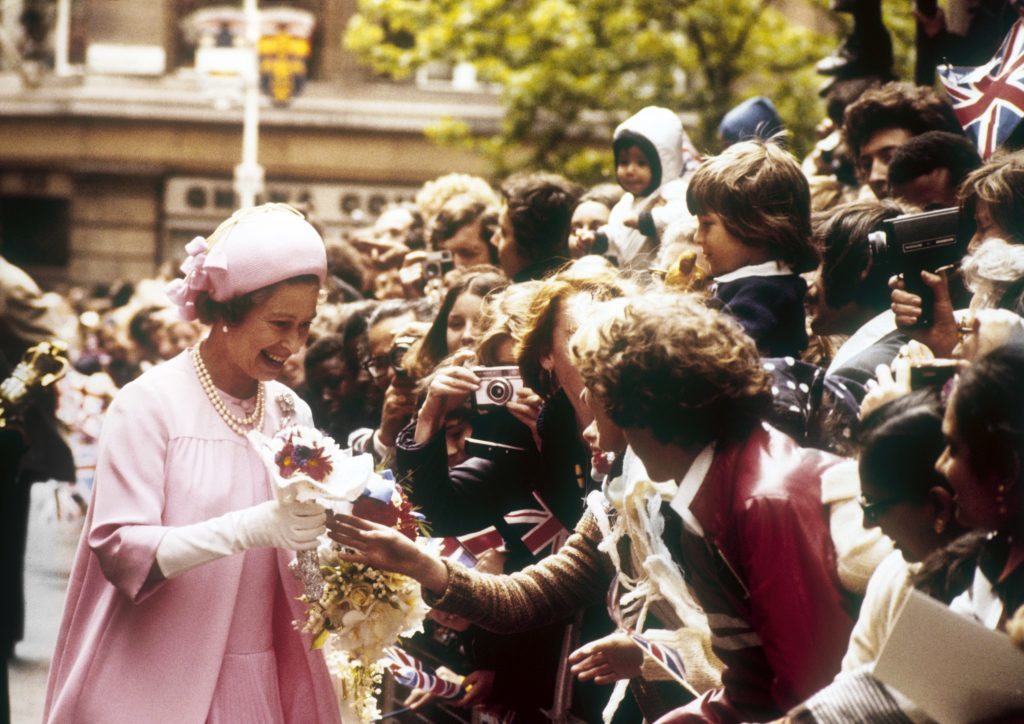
{"x": 688, "y": 390}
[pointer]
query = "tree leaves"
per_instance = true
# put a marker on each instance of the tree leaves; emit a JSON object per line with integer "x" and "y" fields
{"x": 569, "y": 70}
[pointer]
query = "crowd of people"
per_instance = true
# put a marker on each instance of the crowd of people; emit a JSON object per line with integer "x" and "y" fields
{"x": 748, "y": 421}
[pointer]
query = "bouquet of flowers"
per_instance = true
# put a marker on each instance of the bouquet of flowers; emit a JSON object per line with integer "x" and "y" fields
{"x": 307, "y": 465}
{"x": 362, "y": 610}
{"x": 354, "y": 612}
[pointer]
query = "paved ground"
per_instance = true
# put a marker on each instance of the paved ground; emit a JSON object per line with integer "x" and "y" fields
{"x": 51, "y": 548}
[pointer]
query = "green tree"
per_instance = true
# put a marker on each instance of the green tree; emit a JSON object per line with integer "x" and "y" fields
{"x": 569, "y": 70}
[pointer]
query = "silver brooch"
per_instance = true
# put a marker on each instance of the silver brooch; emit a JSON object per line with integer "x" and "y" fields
{"x": 286, "y": 403}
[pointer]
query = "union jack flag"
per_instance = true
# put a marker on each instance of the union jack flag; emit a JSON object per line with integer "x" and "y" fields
{"x": 481, "y": 541}
{"x": 989, "y": 100}
{"x": 547, "y": 534}
{"x": 669, "y": 658}
{"x": 410, "y": 671}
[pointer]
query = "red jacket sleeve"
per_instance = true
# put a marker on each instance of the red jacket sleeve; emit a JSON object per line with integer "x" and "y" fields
{"x": 796, "y": 602}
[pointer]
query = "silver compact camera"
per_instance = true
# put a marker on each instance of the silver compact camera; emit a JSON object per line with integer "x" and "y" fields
{"x": 498, "y": 386}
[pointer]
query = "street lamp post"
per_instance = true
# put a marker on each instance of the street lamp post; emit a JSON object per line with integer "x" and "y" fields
{"x": 249, "y": 173}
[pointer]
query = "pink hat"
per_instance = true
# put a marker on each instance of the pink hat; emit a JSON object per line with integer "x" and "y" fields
{"x": 253, "y": 249}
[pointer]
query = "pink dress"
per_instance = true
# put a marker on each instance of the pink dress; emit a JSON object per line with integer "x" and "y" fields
{"x": 216, "y": 644}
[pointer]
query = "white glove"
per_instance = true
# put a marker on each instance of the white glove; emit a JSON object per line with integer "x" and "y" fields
{"x": 273, "y": 524}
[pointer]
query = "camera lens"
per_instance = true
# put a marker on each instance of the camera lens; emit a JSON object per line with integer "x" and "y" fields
{"x": 499, "y": 391}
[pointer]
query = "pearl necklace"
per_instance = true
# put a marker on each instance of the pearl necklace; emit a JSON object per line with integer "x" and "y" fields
{"x": 241, "y": 425}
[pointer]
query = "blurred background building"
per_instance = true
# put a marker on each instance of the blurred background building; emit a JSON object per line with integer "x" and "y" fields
{"x": 121, "y": 125}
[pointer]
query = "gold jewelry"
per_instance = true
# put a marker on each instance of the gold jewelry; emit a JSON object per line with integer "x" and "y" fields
{"x": 241, "y": 425}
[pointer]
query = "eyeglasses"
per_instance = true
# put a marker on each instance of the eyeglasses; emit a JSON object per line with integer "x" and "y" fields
{"x": 873, "y": 510}
{"x": 377, "y": 366}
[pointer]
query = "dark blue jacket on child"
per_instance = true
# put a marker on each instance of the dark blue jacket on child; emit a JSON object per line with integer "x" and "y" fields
{"x": 768, "y": 302}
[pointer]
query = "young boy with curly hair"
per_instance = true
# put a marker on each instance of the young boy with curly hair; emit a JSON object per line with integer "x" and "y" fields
{"x": 753, "y": 209}
{"x": 746, "y": 520}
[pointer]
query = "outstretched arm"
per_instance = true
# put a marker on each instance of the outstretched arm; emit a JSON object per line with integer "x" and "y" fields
{"x": 549, "y": 591}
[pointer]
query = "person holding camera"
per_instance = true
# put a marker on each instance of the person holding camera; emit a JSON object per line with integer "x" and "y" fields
{"x": 586, "y": 235}
{"x": 464, "y": 228}
{"x": 991, "y": 197}
{"x": 390, "y": 322}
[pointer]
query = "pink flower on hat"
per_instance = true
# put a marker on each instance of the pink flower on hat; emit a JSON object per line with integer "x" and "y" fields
{"x": 183, "y": 292}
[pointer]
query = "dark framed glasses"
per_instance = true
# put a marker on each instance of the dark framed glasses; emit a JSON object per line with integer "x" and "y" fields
{"x": 377, "y": 366}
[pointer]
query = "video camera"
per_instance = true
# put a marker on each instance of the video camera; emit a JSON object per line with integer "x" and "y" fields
{"x": 912, "y": 243}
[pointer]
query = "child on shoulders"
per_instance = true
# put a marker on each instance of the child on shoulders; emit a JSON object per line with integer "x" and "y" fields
{"x": 651, "y": 150}
{"x": 753, "y": 210}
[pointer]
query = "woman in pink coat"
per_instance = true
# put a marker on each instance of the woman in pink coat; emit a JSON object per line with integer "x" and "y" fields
{"x": 180, "y": 603}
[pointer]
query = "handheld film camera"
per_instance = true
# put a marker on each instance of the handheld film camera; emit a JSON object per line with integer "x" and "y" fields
{"x": 913, "y": 243}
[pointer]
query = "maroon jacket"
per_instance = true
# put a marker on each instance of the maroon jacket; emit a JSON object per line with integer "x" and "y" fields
{"x": 765, "y": 574}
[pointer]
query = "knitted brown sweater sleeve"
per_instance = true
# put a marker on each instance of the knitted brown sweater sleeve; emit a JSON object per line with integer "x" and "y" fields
{"x": 551, "y": 590}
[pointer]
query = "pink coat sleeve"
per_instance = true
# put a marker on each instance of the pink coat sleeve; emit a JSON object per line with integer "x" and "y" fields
{"x": 128, "y": 500}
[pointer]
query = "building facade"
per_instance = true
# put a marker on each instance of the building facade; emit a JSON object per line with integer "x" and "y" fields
{"x": 119, "y": 147}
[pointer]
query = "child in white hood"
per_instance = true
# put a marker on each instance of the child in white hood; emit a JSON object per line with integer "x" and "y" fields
{"x": 651, "y": 154}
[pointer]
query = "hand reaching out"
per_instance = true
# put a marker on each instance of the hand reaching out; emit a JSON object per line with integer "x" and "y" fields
{"x": 418, "y": 698}
{"x": 607, "y": 659}
{"x": 376, "y": 545}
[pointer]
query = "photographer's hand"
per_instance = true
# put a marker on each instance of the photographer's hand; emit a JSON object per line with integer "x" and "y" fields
{"x": 399, "y": 408}
{"x": 526, "y": 408}
{"x": 448, "y": 390}
{"x": 942, "y": 335}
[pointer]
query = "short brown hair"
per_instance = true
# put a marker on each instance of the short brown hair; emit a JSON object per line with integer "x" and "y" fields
{"x": 897, "y": 105}
{"x": 763, "y": 198}
{"x": 459, "y": 212}
{"x": 667, "y": 363}
{"x": 540, "y": 207}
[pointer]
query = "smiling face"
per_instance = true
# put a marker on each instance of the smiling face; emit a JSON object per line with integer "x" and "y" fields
{"x": 258, "y": 347}
{"x": 909, "y": 523}
{"x": 559, "y": 363}
{"x": 632, "y": 170}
